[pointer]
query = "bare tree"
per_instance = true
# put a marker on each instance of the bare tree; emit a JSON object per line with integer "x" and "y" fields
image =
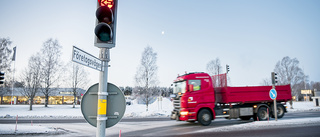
{"x": 266, "y": 82}
{"x": 31, "y": 77}
{"x": 289, "y": 72}
{"x": 78, "y": 80}
{"x": 146, "y": 76}
{"x": 214, "y": 68}
{"x": 5, "y": 54}
{"x": 315, "y": 85}
{"x": 51, "y": 64}
{"x": 5, "y": 61}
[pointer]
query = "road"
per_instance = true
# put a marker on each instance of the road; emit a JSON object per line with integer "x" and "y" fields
{"x": 166, "y": 127}
{"x": 13, "y": 121}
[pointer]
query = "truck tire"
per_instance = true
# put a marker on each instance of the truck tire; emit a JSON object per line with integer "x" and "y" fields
{"x": 262, "y": 114}
{"x": 280, "y": 111}
{"x": 204, "y": 117}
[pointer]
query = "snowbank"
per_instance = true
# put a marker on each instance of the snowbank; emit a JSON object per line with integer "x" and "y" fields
{"x": 302, "y": 106}
{"x": 10, "y": 129}
{"x": 39, "y": 111}
{"x": 156, "y": 109}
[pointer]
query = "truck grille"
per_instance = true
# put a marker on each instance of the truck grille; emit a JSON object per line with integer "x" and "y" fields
{"x": 176, "y": 104}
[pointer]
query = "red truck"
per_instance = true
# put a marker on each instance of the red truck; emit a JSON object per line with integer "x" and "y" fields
{"x": 203, "y": 98}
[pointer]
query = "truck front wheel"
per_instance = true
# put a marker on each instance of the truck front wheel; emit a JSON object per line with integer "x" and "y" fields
{"x": 262, "y": 114}
{"x": 204, "y": 117}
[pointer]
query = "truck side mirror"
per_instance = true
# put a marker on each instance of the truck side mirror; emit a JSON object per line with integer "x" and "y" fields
{"x": 190, "y": 87}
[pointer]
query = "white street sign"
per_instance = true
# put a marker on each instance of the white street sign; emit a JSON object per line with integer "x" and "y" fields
{"x": 86, "y": 59}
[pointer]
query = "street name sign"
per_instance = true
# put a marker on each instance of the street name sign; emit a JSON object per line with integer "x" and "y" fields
{"x": 86, "y": 59}
{"x": 116, "y": 105}
{"x": 273, "y": 94}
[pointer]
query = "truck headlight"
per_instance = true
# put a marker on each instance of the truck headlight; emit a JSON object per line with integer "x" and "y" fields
{"x": 184, "y": 113}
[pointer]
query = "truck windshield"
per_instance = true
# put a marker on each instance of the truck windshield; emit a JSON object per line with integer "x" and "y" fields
{"x": 179, "y": 87}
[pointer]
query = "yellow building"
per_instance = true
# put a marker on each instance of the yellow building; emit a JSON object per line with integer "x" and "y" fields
{"x": 56, "y": 96}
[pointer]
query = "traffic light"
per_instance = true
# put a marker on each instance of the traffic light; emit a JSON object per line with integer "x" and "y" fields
{"x": 105, "y": 31}
{"x": 274, "y": 78}
{"x": 227, "y": 68}
{"x": 1, "y": 77}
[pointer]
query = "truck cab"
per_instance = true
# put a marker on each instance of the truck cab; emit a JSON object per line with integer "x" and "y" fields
{"x": 192, "y": 92}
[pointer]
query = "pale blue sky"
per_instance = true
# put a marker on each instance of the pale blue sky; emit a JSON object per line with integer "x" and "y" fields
{"x": 249, "y": 35}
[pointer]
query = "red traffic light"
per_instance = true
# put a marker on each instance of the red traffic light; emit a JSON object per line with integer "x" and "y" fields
{"x": 104, "y": 14}
{"x": 108, "y": 3}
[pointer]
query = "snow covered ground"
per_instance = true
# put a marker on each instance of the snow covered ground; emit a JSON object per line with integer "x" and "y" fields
{"x": 157, "y": 109}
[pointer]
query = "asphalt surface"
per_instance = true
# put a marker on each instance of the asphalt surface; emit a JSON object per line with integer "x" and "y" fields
{"x": 166, "y": 127}
{"x": 304, "y": 131}
{"x": 292, "y": 115}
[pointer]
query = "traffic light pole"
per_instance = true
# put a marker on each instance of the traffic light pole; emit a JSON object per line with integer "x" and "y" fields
{"x": 275, "y": 106}
{"x": 102, "y": 93}
{"x": 273, "y": 80}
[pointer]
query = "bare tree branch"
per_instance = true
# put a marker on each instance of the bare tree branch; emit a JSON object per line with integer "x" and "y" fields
{"x": 289, "y": 72}
{"x": 31, "y": 77}
{"x": 50, "y": 62}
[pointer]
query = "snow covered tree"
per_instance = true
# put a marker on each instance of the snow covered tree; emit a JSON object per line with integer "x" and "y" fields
{"x": 146, "y": 76}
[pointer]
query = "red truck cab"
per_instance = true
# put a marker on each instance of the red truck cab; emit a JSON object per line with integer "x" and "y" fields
{"x": 196, "y": 99}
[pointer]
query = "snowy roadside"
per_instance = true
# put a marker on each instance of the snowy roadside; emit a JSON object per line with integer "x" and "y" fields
{"x": 157, "y": 109}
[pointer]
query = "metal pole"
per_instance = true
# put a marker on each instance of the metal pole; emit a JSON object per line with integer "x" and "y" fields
{"x": 14, "y": 69}
{"x": 275, "y": 106}
{"x": 103, "y": 94}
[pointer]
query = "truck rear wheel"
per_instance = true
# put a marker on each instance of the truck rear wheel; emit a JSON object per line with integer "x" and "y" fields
{"x": 262, "y": 114}
{"x": 280, "y": 111}
{"x": 204, "y": 117}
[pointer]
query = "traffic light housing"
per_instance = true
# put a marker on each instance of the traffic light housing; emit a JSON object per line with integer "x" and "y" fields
{"x": 274, "y": 78}
{"x": 227, "y": 68}
{"x": 105, "y": 30}
{"x": 1, "y": 77}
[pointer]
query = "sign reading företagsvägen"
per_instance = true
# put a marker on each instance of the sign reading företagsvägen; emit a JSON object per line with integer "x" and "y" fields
{"x": 86, "y": 59}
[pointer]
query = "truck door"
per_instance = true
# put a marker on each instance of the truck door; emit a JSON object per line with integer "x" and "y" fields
{"x": 194, "y": 87}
